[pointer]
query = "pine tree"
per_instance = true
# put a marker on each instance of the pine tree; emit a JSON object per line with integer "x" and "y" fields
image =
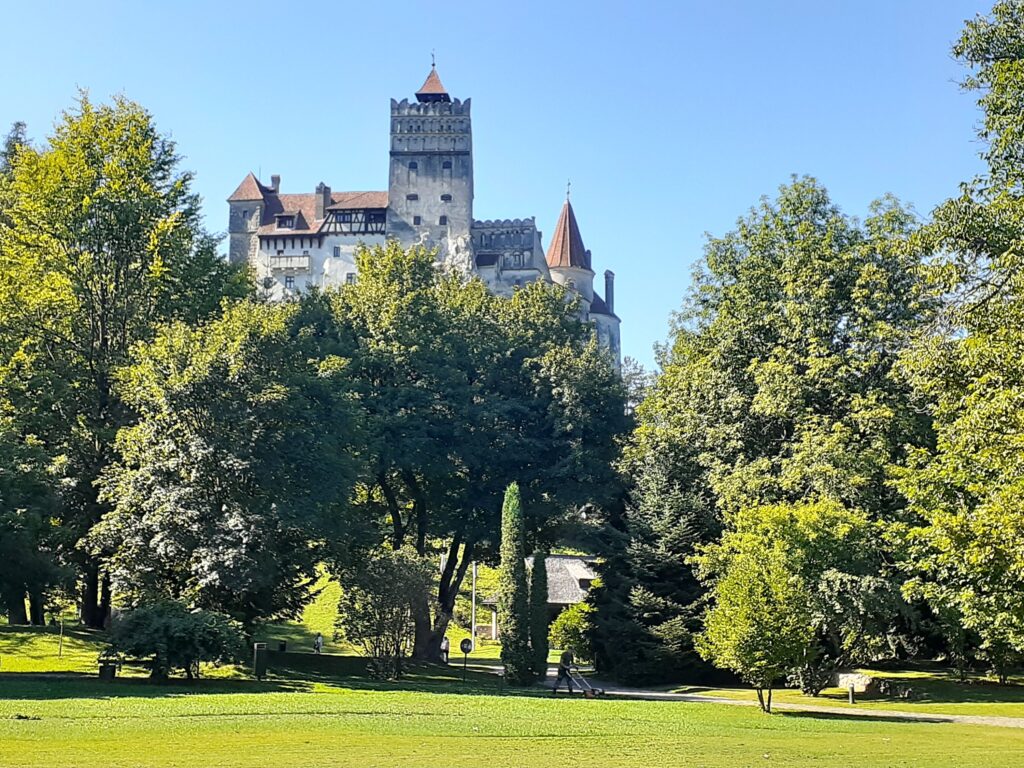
{"x": 513, "y": 598}
{"x": 539, "y": 614}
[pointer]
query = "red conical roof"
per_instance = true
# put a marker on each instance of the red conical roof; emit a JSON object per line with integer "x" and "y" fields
{"x": 432, "y": 89}
{"x": 249, "y": 189}
{"x": 566, "y": 249}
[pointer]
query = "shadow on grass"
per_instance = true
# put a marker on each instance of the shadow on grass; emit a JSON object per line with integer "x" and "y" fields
{"x": 856, "y": 718}
{"x": 289, "y": 672}
{"x": 72, "y": 685}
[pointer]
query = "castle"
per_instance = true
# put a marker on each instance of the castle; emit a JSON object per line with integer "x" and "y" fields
{"x": 295, "y": 241}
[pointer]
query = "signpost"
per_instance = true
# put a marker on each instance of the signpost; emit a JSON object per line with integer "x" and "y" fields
{"x": 472, "y": 610}
{"x": 465, "y": 646}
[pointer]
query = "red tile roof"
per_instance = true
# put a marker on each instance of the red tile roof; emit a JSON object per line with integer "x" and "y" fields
{"x": 304, "y": 206}
{"x": 249, "y": 189}
{"x": 432, "y": 88}
{"x": 566, "y": 249}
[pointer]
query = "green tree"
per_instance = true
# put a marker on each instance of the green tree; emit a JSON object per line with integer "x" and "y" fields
{"x": 963, "y": 551}
{"x": 233, "y": 485}
{"x": 780, "y": 384}
{"x": 759, "y": 625}
{"x": 464, "y": 392}
{"x": 379, "y": 595}
{"x": 100, "y": 240}
{"x": 539, "y": 614}
{"x": 513, "y": 594}
{"x": 571, "y": 630}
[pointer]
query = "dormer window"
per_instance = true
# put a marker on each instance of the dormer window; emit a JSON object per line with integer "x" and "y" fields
{"x": 285, "y": 222}
{"x": 344, "y": 216}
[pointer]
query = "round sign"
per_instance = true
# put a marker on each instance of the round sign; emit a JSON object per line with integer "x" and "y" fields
{"x": 466, "y": 645}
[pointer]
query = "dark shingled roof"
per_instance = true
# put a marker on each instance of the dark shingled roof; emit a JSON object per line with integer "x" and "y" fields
{"x": 566, "y": 249}
{"x": 565, "y": 574}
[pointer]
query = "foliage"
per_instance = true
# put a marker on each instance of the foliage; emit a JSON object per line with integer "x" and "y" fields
{"x": 170, "y": 636}
{"x": 100, "y": 240}
{"x": 569, "y": 631}
{"x": 376, "y": 607}
{"x": 539, "y": 614}
{"x": 513, "y": 594}
{"x": 464, "y": 392}
{"x": 964, "y": 551}
{"x": 231, "y": 488}
{"x": 780, "y": 384}
{"x": 759, "y": 624}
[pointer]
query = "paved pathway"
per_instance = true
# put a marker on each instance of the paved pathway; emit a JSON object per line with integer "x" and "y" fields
{"x": 611, "y": 689}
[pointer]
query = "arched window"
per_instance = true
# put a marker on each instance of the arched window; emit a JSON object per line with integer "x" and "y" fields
{"x": 446, "y": 165}
{"x": 413, "y": 165}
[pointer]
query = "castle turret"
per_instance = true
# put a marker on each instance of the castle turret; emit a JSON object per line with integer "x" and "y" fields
{"x": 430, "y": 185}
{"x": 568, "y": 260}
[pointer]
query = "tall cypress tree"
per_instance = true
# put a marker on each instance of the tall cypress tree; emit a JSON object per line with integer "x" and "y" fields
{"x": 513, "y": 597}
{"x": 539, "y": 614}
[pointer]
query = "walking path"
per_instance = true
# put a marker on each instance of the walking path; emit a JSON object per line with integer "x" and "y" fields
{"x": 610, "y": 689}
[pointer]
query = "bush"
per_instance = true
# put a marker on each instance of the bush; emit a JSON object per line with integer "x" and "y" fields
{"x": 375, "y": 610}
{"x": 169, "y": 636}
{"x": 569, "y": 631}
{"x": 514, "y": 594}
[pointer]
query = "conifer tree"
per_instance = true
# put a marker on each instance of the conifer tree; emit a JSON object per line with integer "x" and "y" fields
{"x": 513, "y": 598}
{"x": 539, "y": 614}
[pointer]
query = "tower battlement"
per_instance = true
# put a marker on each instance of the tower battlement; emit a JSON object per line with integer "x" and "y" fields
{"x": 406, "y": 108}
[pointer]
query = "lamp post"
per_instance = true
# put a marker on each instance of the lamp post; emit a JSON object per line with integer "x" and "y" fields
{"x": 472, "y": 612}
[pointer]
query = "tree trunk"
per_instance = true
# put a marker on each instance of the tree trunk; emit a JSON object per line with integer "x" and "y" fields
{"x": 427, "y": 642}
{"x": 90, "y": 597}
{"x": 760, "y": 698}
{"x": 16, "y": 609}
{"x": 104, "y": 604}
{"x": 35, "y": 605}
{"x": 769, "y": 710}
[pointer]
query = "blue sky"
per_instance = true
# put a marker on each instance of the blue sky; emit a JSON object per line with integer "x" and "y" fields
{"x": 671, "y": 118}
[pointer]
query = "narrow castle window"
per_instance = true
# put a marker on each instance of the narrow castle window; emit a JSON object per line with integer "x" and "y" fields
{"x": 446, "y": 198}
{"x": 413, "y": 196}
{"x": 337, "y": 251}
{"x": 350, "y": 278}
{"x": 446, "y": 165}
{"x": 245, "y": 214}
{"x": 416, "y": 220}
{"x": 289, "y": 282}
{"x": 413, "y": 165}
{"x": 443, "y": 220}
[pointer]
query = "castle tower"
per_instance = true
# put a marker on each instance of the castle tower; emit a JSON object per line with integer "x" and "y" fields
{"x": 430, "y": 184}
{"x": 568, "y": 260}
{"x": 246, "y": 204}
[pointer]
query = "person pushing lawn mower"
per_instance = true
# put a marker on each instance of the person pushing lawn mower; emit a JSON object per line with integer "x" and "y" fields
{"x": 569, "y": 671}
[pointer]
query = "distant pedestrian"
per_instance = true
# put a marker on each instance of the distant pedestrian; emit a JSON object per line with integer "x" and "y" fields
{"x": 445, "y": 648}
{"x": 318, "y": 643}
{"x": 565, "y": 664}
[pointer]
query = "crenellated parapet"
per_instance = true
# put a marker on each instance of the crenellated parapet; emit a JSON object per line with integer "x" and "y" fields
{"x": 406, "y": 108}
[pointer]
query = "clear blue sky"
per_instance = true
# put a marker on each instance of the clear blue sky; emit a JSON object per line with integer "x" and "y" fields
{"x": 671, "y": 118}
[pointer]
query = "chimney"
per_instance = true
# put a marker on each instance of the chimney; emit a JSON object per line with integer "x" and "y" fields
{"x": 323, "y": 199}
{"x": 275, "y": 183}
{"x": 609, "y": 290}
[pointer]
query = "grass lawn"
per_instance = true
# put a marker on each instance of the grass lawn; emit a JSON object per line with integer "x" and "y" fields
{"x": 935, "y": 690}
{"x": 74, "y": 723}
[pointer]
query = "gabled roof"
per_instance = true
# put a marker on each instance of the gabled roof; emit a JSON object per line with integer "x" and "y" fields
{"x": 432, "y": 89}
{"x": 569, "y": 578}
{"x": 566, "y": 249}
{"x": 249, "y": 189}
{"x": 303, "y": 205}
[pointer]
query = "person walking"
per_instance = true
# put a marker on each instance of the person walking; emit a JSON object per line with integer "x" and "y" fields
{"x": 318, "y": 643}
{"x": 445, "y": 648}
{"x": 565, "y": 663}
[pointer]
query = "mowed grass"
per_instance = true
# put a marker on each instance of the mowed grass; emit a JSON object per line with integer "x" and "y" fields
{"x": 220, "y": 723}
{"x": 934, "y": 691}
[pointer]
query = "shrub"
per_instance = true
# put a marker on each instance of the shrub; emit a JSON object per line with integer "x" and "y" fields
{"x": 539, "y": 614}
{"x": 375, "y": 610}
{"x": 169, "y": 636}
{"x": 569, "y": 631}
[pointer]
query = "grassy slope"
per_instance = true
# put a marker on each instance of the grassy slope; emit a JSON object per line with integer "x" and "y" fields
{"x": 42, "y": 724}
